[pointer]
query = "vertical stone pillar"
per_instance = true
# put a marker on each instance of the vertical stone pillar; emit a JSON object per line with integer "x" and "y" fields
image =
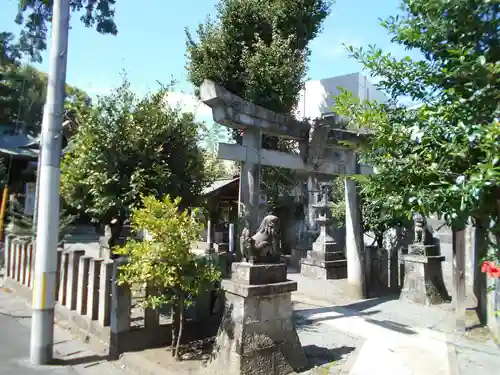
{"x": 8, "y": 256}
{"x": 30, "y": 264}
{"x": 17, "y": 260}
{"x": 354, "y": 235}
{"x": 459, "y": 256}
{"x": 394, "y": 251}
{"x": 63, "y": 279}
{"x": 470, "y": 256}
{"x": 232, "y": 238}
{"x": 58, "y": 272}
{"x": 210, "y": 237}
{"x": 105, "y": 281}
{"x": 13, "y": 257}
{"x": 93, "y": 290}
{"x": 24, "y": 263}
{"x": 83, "y": 284}
{"x": 313, "y": 189}
{"x": 248, "y": 207}
{"x": 121, "y": 301}
{"x": 151, "y": 316}
{"x": 72, "y": 280}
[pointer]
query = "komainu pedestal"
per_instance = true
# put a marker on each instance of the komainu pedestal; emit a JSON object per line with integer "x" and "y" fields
{"x": 257, "y": 335}
{"x": 423, "y": 278}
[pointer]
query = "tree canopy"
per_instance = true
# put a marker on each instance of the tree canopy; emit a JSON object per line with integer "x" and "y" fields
{"x": 442, "y": 156}
{"x": 35, "y": 15}
{"x": 259, "y": 51}
{"x": 128, "y": 146}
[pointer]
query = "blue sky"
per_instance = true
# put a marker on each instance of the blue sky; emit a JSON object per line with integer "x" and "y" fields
{"x": 150, "y": 45}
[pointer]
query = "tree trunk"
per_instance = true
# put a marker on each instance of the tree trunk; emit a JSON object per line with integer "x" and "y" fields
{"x": 380, "y": 240}
{"x": 175, "y": 325}
{"x": 177, "y": 355}
{"x": 115, "y": 226}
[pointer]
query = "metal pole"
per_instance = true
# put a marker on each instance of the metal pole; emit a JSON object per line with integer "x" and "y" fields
{"x": 42, "y": 326}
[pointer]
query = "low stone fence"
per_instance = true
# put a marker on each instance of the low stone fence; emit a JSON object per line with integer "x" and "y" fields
{"x": 493, "y": 312}
{"x": 383, "y": 271}
{"x": 91, "y": 304}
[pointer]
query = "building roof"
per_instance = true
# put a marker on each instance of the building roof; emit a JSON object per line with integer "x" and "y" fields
{"x": 24, "y": 145}
{"x": 19, "y": 145}
{"x": 218, "y": 185}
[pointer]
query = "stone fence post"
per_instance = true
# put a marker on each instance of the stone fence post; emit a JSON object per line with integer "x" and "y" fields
{"x": 8, "y": 255}
{"x": 121, "y": 301}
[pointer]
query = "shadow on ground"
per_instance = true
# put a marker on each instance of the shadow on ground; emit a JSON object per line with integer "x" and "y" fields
{"x": 91, "y": 360}
{"x": 319, "y": 356}
{"x": 307, "y": 319}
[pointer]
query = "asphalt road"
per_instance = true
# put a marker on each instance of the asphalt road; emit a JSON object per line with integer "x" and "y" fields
{"x": 14, "y": 350}
{"x": 73, "y": 356}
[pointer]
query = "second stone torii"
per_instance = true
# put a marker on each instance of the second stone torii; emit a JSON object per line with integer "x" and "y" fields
{"x": 232, "y": 111}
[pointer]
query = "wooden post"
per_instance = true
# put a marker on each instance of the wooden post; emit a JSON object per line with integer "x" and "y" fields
{"x": 459, "y": 276}
{"x": 3, "y": 208}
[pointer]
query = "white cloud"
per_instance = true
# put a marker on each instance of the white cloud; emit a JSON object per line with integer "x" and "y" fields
{"x": 189, "y": 103}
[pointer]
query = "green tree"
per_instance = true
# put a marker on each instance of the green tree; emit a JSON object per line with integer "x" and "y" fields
{"x": 128, "y": 146}
{"x": 259, "y": 51}
{"x": 9, "y": 63}
{"x": 443, "y": 156}
{"x": 174, "y": 275}
{"x": 35, "y": 15}
{"x": 24, "y": 97}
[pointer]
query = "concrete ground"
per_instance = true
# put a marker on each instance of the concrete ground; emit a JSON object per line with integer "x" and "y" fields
{"x": 341, "y": 336}
{"x": 397, "y": 337}
{"x": 72, "y": 357}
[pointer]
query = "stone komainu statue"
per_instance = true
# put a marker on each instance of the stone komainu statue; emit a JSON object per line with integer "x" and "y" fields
{"x": 423, "y": 235}
{"x": 265, "y": 244}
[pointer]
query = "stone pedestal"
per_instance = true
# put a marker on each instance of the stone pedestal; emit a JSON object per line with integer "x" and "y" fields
{"x": 423, "y": 275}
{"x": 257, "y": 334}
{"x": 326, "y": 260}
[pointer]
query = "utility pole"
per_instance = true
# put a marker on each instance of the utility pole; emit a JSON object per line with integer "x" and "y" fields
{"x": 44, "y": 288}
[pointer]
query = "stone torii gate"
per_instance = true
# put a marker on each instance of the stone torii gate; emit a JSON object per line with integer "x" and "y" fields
{"x": 317, "y": 156}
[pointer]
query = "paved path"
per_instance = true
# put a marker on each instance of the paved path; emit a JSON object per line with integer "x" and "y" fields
{"x": 397, "y": 337}
{"x": 389, "y": 348}
{"x": 72, "y": 357}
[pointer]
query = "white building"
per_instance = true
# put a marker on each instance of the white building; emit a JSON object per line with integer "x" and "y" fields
{"x": 317, "y": 98}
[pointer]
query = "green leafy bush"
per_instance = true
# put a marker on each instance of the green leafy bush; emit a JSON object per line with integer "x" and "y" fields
{"x": 164, "y": 262}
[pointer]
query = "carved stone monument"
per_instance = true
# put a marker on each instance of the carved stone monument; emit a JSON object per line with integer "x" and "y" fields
{"x": 423, "y": 273}
{"x": 327, "y": 259}
{"x": 257, "y": 334}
